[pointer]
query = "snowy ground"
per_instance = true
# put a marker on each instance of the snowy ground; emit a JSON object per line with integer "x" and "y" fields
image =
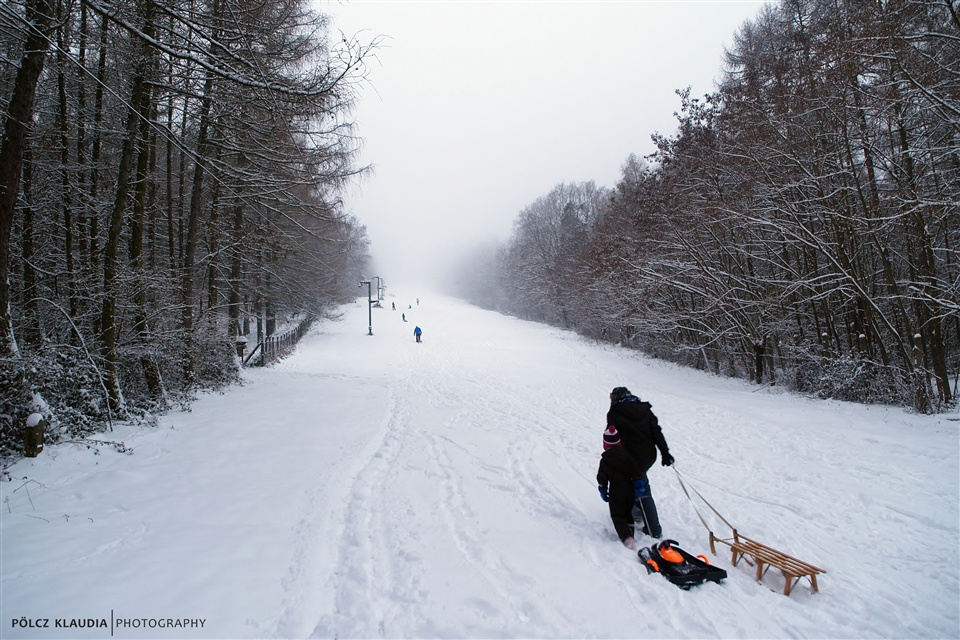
{"x": 374, "y": 487}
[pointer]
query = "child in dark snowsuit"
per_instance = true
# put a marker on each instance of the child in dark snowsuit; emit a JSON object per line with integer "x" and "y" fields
{"x": 617, "y": 479}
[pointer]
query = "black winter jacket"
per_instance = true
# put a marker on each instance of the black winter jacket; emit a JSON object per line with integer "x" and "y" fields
{"x": 639, "y": 430}
{"x": 618, "y": 469}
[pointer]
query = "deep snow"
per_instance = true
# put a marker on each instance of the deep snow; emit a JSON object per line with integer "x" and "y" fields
{"x": 370, "y": 486}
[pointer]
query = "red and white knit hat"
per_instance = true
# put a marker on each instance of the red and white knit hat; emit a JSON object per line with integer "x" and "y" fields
{"x": 610, "y": 437}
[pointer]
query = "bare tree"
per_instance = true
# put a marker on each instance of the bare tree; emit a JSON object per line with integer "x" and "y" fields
{"x": 35, "y": 25}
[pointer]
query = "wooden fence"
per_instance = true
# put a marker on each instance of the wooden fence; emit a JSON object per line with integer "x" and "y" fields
{"x": 273, "y": 348}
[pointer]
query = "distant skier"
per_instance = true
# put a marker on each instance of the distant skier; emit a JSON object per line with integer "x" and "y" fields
{"x": 641, "y": 436}
{"x": 393, "y": 305}
{"x": 619, "y": 479}
{"x": 416, "y": 333}
{"x": 404, "y": 316}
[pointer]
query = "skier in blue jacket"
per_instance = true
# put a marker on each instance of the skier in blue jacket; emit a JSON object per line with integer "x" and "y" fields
{"x": 416, "y": 333}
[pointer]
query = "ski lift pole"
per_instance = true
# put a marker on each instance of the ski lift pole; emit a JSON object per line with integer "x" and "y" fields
{"x": 369, "y": 307}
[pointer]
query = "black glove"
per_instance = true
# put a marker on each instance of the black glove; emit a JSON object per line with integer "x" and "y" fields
{"x": 666, "y": 459}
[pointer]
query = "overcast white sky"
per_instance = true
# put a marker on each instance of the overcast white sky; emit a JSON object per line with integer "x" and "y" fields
{"x": 473, "y": 110}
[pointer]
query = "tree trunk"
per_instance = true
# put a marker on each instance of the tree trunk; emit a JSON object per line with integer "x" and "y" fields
{"x": 213, "y": 248}
{"x": 66, "y": 187}
{"x": 39, "y": 14}
{"x": 96, "y": 144}
{"x": 759, "y": 353}
{"x": 171, "y": 234}
{"x": 193, "y": 225}
{"x": 144, "y": 108}
{"x": 32, "y": 326}
{"x": 82, "y": 202}
{"x": 139, "y": 97}
{"x": 235, "y": 272}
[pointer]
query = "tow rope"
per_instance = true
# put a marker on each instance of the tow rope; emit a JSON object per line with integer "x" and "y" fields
{"x": 687, "y": 493}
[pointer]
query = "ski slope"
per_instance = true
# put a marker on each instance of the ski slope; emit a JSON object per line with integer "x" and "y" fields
{"x": 373, "y": 487}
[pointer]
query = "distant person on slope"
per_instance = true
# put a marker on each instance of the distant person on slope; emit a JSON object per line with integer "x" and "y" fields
{"x": 618, "y": 478}
{"x": 416, "y": 333}
{"x": 641, "y": 436}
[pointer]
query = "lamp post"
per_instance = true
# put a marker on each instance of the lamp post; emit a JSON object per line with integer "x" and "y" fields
{"x": 369, "y": 307}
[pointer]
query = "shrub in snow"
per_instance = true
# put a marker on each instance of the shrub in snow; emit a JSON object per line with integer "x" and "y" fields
{"x": 850, "y": 378}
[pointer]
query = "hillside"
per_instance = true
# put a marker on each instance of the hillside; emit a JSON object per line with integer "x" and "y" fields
{"x": 370, "y": 486}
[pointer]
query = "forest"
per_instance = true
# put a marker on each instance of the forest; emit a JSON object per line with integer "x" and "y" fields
{"x": 800, "y": 227}
{"x": 170, "y": 181}
{"x": 172, "y": 172}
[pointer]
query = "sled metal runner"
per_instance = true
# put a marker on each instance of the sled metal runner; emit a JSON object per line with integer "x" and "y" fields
{"x": 745, "y": 549}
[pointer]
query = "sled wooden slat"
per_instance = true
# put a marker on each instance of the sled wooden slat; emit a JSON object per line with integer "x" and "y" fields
{"x": 765, "y": 557}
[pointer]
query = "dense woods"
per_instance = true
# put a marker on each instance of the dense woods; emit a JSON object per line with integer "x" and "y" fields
{"x": 801, "y": 226}
{"x": 169, "y": 180}
{"x": 171, "y": 171}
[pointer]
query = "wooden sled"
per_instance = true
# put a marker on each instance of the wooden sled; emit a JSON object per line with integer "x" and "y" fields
{"x": 765, "y": 557}
{"x": 756, "y": 553}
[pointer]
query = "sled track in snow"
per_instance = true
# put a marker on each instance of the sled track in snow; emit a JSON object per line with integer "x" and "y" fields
{"x": 365, "y": 568}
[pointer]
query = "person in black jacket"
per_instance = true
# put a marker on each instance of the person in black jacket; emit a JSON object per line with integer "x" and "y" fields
{"x": 617, "y": 476}
{"x": 641, "y": 436}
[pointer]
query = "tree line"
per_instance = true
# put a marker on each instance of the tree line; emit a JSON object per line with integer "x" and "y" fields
{"x": 170, "y": 179}
{"x": 801, "y": 226}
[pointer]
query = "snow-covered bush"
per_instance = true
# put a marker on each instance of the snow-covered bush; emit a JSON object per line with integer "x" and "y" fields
{"x": 850, "y": 378}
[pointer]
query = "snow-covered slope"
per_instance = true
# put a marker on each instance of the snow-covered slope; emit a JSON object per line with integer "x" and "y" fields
{"x": 370, "y": 486}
